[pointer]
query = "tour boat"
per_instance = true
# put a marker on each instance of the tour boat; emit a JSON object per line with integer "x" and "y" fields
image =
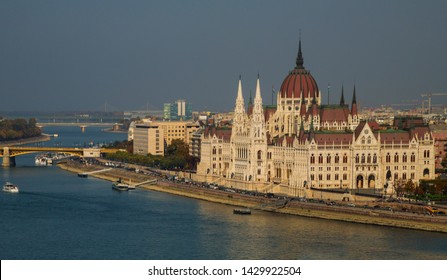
{"x": 9, "y": 187}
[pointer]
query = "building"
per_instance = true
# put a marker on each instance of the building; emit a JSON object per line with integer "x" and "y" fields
{"x": 299, "y": 145}
{"x": 148, "y": 139}
{"x": 151, "y": 137}
{"x": 179, "y": 110}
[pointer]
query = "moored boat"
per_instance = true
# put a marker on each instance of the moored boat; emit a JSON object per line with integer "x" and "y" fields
{"x": 120, "y": 186}
{"x": 10, "y": 187}
{"x": 245, "y": 211}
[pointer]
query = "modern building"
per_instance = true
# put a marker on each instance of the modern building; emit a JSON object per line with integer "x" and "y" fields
{"x": 151, "y": 137}
{"x": 148, "y": 139}
{"x": 179, "y": 110}
{"x": 300, "y": 145}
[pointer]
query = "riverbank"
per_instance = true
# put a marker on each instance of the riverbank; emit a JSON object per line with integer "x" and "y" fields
{"x": 37, "y": 139}
{"x": 413, "y": 219}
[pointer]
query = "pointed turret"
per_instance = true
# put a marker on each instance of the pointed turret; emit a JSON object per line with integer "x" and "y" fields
{"x": 354, "y": 104}
{"x": 342, "y": 99}
{"x": 299, "y": 58}
{"x": 239, "y": 110}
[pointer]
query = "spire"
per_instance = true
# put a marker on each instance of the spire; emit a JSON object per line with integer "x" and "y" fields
{"x": 239, "y": 89}
{"x": 354, "y": 104}
{"x": 342, "y": 99}
{"x": 299, "y": 59}
{"x": 258, "y": 89}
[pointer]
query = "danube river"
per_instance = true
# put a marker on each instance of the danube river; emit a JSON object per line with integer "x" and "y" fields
{"x": 57, "y": 215}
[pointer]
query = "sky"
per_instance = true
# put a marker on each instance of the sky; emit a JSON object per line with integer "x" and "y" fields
{"x": 136, "y": 55}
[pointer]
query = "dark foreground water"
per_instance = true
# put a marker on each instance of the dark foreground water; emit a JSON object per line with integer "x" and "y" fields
{"x": 57, "y": 215}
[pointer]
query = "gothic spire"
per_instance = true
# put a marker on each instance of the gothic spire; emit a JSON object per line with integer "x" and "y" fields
{"x": 299, "y": 59}
{"x": 342, "y": 99}
{"x": 354, "y": 104}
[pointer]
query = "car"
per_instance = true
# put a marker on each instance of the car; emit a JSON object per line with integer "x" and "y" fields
{"x": 351, "y": 204}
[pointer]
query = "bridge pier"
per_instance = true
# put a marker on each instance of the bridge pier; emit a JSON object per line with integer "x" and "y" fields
{"x": 7, "y": 159}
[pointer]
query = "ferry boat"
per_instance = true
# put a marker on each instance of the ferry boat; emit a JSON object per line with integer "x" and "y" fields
{"x": 9, "y": 187}
{"x": 245, "y": 211}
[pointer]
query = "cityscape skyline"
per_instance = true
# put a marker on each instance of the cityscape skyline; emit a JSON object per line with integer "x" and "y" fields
{"x": 80, "y": 56}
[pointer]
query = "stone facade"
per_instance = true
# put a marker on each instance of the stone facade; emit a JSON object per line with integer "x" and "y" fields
{"x": 304, "y": 145}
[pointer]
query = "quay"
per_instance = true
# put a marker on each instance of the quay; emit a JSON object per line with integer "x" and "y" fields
{"x": 415, "y": 218}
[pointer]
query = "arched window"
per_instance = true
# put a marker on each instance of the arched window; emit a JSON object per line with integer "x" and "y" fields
{"x": 357, "y": 158}
{"x": 328, "y": 159}
{"x": 413, "y": 157}
{"x": 388, "y": 157}
{"x": 312, "y": 158}
{"x": 259, "y": 155}
{"x": 320, "y": 158}
{"x": 368, "y": 158}
{"x": 363, "y": 158}
{"x": 214, "y": 150}
{"x": 363, "y": 140}
{"x": 374, "y": 158}
{"x": 404, "y": 157}
{"x": 337, "y": 159}
{"x": 345, "y": 158}
{"x": 396, "y": 158}
{"x": 369, "y": 140}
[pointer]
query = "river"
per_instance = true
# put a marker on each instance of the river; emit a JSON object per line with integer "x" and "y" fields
{"x": 57, "y": 215}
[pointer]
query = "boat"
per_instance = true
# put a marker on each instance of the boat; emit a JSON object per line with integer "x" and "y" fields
{"x": 245, "y": 211}
{"x": 9, "y": 187}
{"x": 120, "y": 186}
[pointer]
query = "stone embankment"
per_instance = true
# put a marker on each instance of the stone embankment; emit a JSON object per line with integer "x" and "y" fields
{"x": 413, "y": 218}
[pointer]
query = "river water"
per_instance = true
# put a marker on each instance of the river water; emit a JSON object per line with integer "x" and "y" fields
{"x": 57, "y": 215}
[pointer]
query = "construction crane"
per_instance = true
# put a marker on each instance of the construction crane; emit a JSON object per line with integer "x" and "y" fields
{"x": 429, "y": 95}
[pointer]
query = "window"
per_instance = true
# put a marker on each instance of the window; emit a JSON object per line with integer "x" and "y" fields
{"x": 357, "y": 159}
{"x": 336, "y": 177}
{"x": 388, "y": 157}
{"x": 396, "y": 158}
{"x": 368, "y": 158}
{"x": 413, "y": 157}
{"x": 363, "y": 158}
{"x": 404, "y": 157}
{"x": 374, "y": 158}
{"x": 345, "y": 158}
{"x": 320, "y": 158}
{"x": 336, "y": 158}
{"x": 345, "y": 177}
{"x": 328, "y": 159}
{"x": 312, "y": 158}
{"x": 328, "y": 177}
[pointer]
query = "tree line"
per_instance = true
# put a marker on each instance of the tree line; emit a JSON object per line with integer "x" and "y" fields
{"x": 14, "y": 129}
{"x": 176, "y": 156}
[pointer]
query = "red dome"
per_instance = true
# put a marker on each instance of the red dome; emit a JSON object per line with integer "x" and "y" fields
{"x": 299, "y": 83}
{"x": 299, "y": 80}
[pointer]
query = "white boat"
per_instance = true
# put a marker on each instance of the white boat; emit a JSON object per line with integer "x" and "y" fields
{"x": 9, "y": 187}
{"x": 120, "y": 186}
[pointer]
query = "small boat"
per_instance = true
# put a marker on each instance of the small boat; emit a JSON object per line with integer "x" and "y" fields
{"x": 9, "y": 187}
{"x": 120, "y": 186}
{"x": 245, "y": 211}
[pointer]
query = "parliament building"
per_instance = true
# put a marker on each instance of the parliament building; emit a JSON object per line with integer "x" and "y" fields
{"x": 300, "y": 145}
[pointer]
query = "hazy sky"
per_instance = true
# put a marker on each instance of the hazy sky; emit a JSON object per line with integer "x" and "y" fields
{"x": 72, "y": 55}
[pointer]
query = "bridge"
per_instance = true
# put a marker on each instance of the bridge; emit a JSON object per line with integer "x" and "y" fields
{"x": 82, "y": 125}
{"x": 9, "y": 153}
